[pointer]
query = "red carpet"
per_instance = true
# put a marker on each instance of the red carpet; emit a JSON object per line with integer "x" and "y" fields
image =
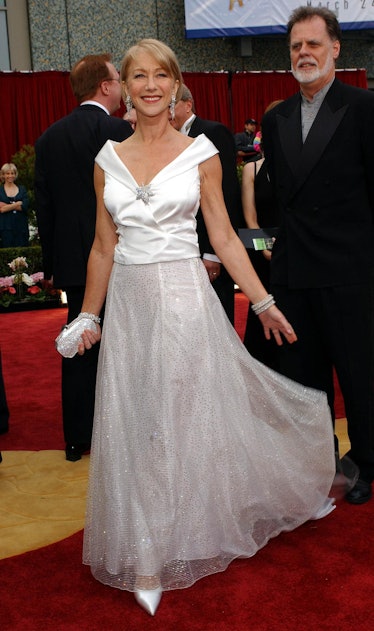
{"x": 317, "y": 578}
{"x": 31, "y": 369}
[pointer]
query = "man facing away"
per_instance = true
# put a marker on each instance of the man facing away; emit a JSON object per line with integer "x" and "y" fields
{"x": 322, "y": 266}
{"x": 66, "y": 213}
{"x": 188, "y": 123}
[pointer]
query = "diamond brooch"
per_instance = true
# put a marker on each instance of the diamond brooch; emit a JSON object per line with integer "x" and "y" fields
{"x": 144, "y": 193}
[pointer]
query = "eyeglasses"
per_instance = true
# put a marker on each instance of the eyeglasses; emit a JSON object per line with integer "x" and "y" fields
{"x": 112, "y": 79}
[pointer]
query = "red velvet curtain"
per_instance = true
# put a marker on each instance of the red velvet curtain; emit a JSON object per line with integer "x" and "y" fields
{"x": 252, "y": 92}
{"x": 31, "y": 101}
{"x": 211, "y": 95}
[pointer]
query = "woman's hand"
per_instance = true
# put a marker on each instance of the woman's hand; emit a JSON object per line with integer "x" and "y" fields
{"x": 267, "y": 254}
{"x": 89, "y": 338}
{"x": 275, "y": 323}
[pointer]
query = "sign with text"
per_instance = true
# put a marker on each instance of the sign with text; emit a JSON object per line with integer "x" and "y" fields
{"x": 232, "y": 18}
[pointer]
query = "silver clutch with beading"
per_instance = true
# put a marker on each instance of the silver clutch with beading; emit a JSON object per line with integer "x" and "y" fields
{"x": 71, "y": 336}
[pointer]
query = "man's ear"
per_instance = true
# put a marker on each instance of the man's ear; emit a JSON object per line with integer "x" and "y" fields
{"x": 104, "y": 88}
{"x": 336, "y": 49}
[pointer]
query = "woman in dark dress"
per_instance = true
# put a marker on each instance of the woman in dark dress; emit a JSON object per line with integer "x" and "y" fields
{"x": 14, "y": 227}
{"x": 260, "y": 211}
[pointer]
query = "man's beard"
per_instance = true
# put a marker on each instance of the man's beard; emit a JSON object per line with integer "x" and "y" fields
{"x": 311, "y": 75}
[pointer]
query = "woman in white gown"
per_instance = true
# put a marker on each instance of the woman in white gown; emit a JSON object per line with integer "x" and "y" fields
{"x": 200, "y": 453}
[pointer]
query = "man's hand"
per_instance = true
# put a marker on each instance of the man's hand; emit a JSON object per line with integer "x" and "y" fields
{"x": 213, "y": 269}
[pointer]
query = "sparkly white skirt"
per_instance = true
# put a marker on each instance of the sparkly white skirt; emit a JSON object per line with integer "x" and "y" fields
{"x": 200, "y": 453}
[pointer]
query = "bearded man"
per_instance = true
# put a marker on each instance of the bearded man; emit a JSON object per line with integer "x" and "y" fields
{"x": 322, "y": 266}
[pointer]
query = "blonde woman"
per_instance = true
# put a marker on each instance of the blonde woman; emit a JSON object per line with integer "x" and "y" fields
{"x": 14, "y": 202}
{"x": 198, "y": 451}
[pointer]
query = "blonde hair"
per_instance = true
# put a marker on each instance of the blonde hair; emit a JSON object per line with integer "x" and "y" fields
{"x": 9, "y": 166}
{"x": 161, "y": 53}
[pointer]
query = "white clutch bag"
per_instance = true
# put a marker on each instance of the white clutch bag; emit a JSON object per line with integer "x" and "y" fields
{"x": 71, "y": 335}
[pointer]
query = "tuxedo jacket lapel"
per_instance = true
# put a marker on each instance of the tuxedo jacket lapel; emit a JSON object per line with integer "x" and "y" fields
{"x": 303, "y": 157}
{"x": 319, "y": 136}
{"x": 195, "y": 128}
{"x": 289, "y": 128}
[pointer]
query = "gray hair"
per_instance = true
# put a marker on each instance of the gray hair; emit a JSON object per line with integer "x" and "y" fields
{"x": 186, "y": 95}
{"x": 307, "y": 13}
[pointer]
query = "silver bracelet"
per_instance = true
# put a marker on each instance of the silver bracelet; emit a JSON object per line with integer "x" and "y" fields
{"x": 90, "y": 316}
{"x": 263, "y": 305}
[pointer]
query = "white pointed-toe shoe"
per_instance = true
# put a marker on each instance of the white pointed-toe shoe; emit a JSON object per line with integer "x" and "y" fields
{"x": 327, "y": 507}
{"x": 149, "y": 599}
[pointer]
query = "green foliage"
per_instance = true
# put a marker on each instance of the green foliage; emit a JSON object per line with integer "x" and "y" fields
{"x": 32, "y": 254}
{"x": 24, "y": 160}
{"x": 239, "y": 170}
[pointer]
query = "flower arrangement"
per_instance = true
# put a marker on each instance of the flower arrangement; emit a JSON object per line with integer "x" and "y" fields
{"x": 24, "y": 287}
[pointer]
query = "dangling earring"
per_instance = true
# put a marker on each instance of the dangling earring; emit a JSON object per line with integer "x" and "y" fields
{"x": 128, "y": 103}
{"x": 172, "y": 107}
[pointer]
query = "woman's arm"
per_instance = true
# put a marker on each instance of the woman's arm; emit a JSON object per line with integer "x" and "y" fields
{"x": 21, "y": 202}
{"x": 248, "y": 195}
{"x": 249, "y": 198}
{"x": 231, "y": 251}
{"x": 100, "y": 261}
{"x": 6, "y": 208}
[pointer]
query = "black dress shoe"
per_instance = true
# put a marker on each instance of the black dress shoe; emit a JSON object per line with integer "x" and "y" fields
{"x": 360, "y": 493}
{"x": 74, "y": 452}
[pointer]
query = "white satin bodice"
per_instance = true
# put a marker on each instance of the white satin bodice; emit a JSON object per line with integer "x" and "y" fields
{"x": 156, "y": 223}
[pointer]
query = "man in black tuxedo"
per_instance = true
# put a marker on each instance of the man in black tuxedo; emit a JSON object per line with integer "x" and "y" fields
{"x": 322, "y": 266}
{"x": 66, "y": 213}
{"x": 186, "y": 121}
